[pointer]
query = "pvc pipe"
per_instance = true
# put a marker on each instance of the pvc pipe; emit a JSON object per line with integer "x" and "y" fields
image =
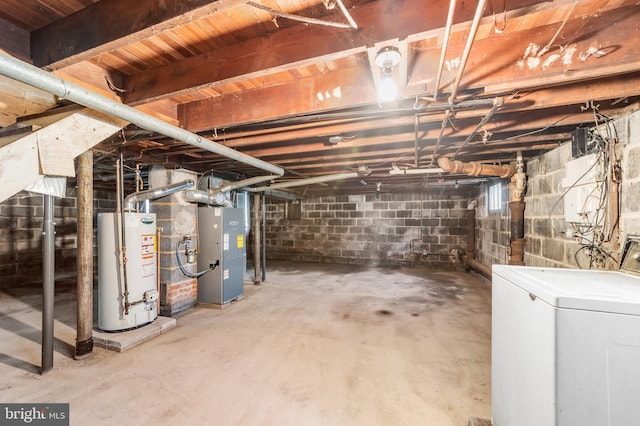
{"x": 151, "y": 194}
{"x": 48, "y": 284}
{"x": 33, "y": 76}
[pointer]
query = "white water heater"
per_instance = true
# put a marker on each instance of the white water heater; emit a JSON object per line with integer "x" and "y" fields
{"x": 118, "y": 311}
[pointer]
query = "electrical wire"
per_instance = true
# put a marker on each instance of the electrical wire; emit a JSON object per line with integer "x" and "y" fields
{"x": 184, "y": 270}
{"x": 592, "y": 231}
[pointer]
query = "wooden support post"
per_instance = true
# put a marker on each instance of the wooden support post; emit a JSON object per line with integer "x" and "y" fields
{"x": 84, "y": 337}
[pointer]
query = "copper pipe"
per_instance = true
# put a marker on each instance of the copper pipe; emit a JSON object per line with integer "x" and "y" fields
{"x": 476, "y": 169}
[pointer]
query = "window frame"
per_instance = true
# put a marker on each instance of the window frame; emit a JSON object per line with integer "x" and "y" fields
{"x": 495, "y": 197}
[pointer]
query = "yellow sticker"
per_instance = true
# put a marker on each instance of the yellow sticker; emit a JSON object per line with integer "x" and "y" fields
{"x": 240, "y": 241}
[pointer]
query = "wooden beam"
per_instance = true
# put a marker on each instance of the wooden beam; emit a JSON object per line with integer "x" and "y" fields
{"x": 18, "y": 99}
{"x": 295, "y": 47}
{"x": 485, "y": 65}
{"x": 310, "y": 95}
{"x": 585, "y": 48}
{"x": 14, "y": 40}
{"x": 110, "y": 24}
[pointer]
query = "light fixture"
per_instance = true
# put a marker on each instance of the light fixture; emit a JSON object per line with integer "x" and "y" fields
{"x": 364, "y": 171}
{"x": 387, "y": 58}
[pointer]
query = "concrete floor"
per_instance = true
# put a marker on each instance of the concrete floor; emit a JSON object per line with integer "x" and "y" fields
{"x": 316, "y": 344}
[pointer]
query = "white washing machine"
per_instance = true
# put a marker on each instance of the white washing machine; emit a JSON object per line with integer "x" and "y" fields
{"x": 566, "y": 345}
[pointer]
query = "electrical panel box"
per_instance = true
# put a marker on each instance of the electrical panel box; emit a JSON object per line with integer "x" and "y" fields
{"x": 584, "y": 190}
{"x": 222, "y": 239}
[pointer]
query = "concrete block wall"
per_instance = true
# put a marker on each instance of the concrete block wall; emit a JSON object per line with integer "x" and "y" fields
{"x": 546, "y": 242}
{"x": 385, "y": 229}
{"x": 492, "y": 228}
{"x": 628, "y": 131}
{"x": 21, "y": 219}
{"x": 176, "y": 218}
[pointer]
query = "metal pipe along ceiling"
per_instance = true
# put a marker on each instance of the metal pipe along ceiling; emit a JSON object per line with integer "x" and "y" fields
{"x": 463, "y": 63}
{"x": 309, "y": 181}
{"x": 33, "y": 76}
{"x": 445, "y": 43}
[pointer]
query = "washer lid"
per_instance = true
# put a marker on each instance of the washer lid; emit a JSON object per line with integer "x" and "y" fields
{"x": 592, "y": 290}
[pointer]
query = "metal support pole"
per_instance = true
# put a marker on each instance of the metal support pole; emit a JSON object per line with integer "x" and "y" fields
{"x": 256, "y": 239}
{"x": 471, "y": 237}
{"x": 263, "y": 233}
{"x": 48, "y": 285}
{"x": 84, "y": 332}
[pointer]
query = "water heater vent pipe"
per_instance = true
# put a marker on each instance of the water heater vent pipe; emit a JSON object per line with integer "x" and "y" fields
{"x": 131, "y": 201}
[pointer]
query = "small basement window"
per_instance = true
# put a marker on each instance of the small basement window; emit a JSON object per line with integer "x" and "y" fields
{"x": 293, "y": 210}
{"x": 494, "y": 197}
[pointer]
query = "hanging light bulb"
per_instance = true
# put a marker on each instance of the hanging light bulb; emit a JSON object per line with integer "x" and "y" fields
{"x": 387, "y": 58}
{"x": 388, "y": 89}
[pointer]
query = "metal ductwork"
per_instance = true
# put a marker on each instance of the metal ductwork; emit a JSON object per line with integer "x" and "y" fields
{"x": 34, "y": 76}
{"x": 476, "y": 169}
{"x": 132, "y": 200}
{"x": 212, "y": 198}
